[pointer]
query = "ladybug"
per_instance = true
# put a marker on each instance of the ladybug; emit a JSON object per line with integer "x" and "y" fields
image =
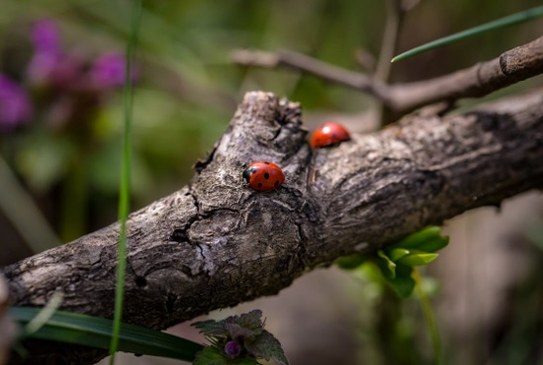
{"x": 329, "y": 134}
{"x": 264, "y": 175}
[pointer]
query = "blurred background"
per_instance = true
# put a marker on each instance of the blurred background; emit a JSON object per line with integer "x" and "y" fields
{"x": 61, "y": 115}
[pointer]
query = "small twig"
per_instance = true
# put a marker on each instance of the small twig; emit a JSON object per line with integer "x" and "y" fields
{"x": 300, "y": 62}
{"x": 394, "y": 20}
{"x": 19, "y": 207}
{"x": 365, "y": 59}
{"x": 510, "y": 67}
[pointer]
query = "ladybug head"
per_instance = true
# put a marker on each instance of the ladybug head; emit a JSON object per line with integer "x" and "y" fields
{"x": 247, "y": 173}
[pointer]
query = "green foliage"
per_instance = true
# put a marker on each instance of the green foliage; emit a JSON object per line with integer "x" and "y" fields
{"x": 96, "y": 332}
{"x": 397, "y": 260}
{"x": 210, "y": 355}
{"x": 248, "y": 331}
{"x": 351, "y": 262}
{"x": 213, "y": 356}
{"x": 267, "y": 347}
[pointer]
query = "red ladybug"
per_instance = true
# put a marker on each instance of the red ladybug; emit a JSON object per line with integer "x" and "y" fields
{"x": 329, "y": 134}
{"x": 264, "y": 176}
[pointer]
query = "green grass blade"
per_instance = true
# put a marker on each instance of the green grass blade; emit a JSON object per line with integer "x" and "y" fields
{"x": 513, "y": 19}
{"x": 124, "y": 193}
{"x": 96, "y": 332}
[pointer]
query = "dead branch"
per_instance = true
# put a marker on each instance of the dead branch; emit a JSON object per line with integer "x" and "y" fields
{"x": 510, "y": 67}
{"x": 394, "y": 20}
{"x": 217, "y": 243}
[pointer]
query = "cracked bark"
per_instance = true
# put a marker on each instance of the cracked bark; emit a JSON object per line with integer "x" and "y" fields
{"x": 216, "y": 243}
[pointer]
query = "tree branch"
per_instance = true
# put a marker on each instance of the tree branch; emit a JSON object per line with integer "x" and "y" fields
{"x": 393, "y": 24}
{"x": 303, "y": 63}
{"x": 216, "y": 243}
{"x": 510, "y": 67}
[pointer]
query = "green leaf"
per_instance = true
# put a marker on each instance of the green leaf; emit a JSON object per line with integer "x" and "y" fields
{"x": 516, "y": 18}
{"x": 210, "y": 356}
{"x": 245, "y": 325}
{"x": 397, "y": 253}
{"x": 403, "y": 283}
{"x": 351, "y": 262}
{"x": 248, "y": 329}
{"x": 418, "y": 238}
{"x": 236, "y": 331}
{"x": 434, "y": 245}
{"x": 418, "y": 259}
{"x": 385, "y": 262}
{"x": 211, "y": 328}
{"x": 96, "y": 332}
{"x": 251, "y": 320}
{"x": 267, "y": 347}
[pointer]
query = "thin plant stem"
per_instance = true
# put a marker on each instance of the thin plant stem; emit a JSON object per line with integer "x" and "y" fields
{"x": 513, "y": 19}
{"x": 124, "y": 193}
{"x": 19, "y": 207}
{"x": 44, "y": 314}
{"x": 429, "y": 318}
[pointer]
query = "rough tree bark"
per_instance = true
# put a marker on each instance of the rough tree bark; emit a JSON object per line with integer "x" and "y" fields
{"x": 216, "y": 243}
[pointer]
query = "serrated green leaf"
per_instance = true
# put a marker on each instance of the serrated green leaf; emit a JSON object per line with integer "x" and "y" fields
{"x": 245, "y": 325}
{"x": 385, "y": 262}
{"x": 351, "y": 262}
{"x": 435, "y": 244}
{"x": 251, "y": 320}
{"x": 267, "y": 347}
{"x": 418, "y": 238}
{"x": 210, "y": 356}
{"x": 418, "y": 259}
{"x": 236, "y": 331}
{"x": 211, "y": 328}
{"x": 96, "y": 332}
{"x": 397, "y": 253}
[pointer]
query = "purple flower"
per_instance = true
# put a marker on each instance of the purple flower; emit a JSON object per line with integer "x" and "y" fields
{"x": 15, "y": 107}
{"x": 232, "y": 349}
{"x": 58, "y": 70}
{"x": 50, "y": 65}
{"x": 45, "y": 36}
{"x": 108, "y": 71}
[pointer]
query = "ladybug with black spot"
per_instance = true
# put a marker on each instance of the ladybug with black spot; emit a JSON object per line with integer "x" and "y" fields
{"x": 264, "y": 176}
{"x": 329, "y": 134}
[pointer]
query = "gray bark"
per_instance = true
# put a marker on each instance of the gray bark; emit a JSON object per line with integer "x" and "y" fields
{"x": 216, "y": 243}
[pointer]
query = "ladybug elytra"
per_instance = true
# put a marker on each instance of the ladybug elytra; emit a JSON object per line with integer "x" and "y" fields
{"x": 329, "y": 134}
{"x": 264, "y": 175}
